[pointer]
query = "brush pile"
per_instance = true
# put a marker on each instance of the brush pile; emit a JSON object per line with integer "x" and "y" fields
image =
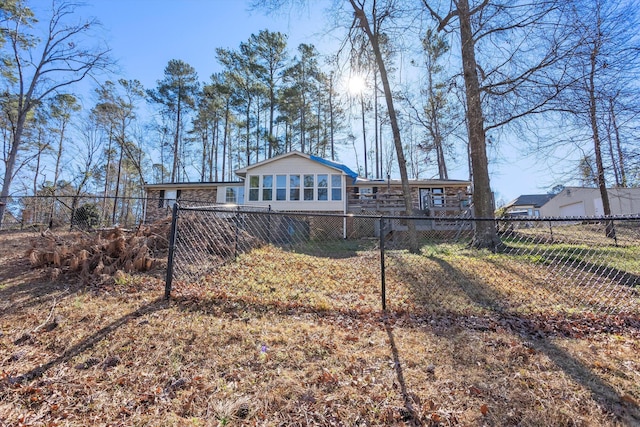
{"x": 99, "y": 256}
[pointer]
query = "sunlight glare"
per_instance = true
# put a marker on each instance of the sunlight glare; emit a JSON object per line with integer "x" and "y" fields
{"x": 357, "y": 84}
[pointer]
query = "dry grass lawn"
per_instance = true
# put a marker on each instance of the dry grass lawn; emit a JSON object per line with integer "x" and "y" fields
{"x": 280, "y": 339}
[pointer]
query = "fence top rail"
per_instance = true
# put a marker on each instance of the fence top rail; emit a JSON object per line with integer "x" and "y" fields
{"x": 267, "y": 211}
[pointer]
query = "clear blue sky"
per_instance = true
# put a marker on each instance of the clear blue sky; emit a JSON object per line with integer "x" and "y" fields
{"x": 145, "y": 34}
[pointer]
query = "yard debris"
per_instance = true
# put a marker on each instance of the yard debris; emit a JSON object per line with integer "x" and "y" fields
{"x": 105, "y": 255}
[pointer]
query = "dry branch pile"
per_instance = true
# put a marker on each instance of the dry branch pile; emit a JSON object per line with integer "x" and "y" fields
{"x": 96, "y": 257}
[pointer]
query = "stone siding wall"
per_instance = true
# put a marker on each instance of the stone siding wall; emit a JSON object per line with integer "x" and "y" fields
{"x": 158, "y": 208}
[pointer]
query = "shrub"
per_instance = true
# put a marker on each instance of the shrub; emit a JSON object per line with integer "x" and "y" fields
{"x": 86, "y": 216}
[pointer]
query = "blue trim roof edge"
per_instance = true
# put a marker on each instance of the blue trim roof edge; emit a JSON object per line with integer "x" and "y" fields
{"x": 353, "y": 175}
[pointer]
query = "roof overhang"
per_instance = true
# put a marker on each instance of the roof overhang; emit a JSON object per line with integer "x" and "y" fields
{"x": 413, "y": 183}
{"x": 188, "y": 185}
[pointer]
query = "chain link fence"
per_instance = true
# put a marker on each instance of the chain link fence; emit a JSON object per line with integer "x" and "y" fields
{"x": 419, "y": 264}
{"x": 79, "y": 212}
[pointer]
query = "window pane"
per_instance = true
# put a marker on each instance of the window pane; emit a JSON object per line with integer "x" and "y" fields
{"x": 281, "y": 187}
{"x": 323, "y": 181}
{"x": 253, "y": 194}
{"x": 308, "y": 187}
{"x": 230, "y": 196}
{"x": 294, "y": 187}
{"x": 336, "y": 187}
{"x": 308, "y": 181}
{"x": 266, "y": 193}
{"x": 322, "y": 194}
{"x": 267, "y": 181}
{"x": 254, "y": 181}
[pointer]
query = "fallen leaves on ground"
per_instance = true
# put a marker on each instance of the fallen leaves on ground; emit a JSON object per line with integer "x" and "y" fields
{"x": 306, "y": 343}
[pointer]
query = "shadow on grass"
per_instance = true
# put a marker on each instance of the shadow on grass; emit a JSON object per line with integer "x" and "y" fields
{"x": 597, "y": 288}
{"x": 493, "y": 303}
{"x": 240, "y": 306}
{"x": 410, "y": 414}
{"x": 584, "y": 260}
{"x": 31, "y": 287}
{"x": 335, "y": 249}
{"x": 93, "y": 339}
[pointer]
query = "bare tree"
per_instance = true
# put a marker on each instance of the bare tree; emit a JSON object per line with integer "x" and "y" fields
{"x": 434, "y": 110}
{"x": 61, "y": 109}
{"x": 87, "y": 152}
{"x": 605, "y": 69}
{"x": 371, "y": 25}
{"x": 511, "y": 61}
{"x": 370, "y": 18}
{"x": 40, "y": 68}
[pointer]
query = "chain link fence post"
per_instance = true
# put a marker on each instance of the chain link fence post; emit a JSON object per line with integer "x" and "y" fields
{"x": 236, "y": 227}
{"x": 383, "y": 290}
{"x": 172, "y": 248}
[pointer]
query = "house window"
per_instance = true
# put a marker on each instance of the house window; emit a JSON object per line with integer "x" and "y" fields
{"x": 431, "y": 198}
{"x": 234, "y": 195}
{"x": 294, "y": 187}
{"x": 267, "y": 187}
{"x": 438, "y": 197}
{"x": 365, "y": 193}
{"x": 161, "y": 199}
{"x": 323, "y": 187}
{"x": 281, "y": 187}
{"x": 336, "y": 187}
{"x": 308, "y": 187}
{"x": 254, "y": 188}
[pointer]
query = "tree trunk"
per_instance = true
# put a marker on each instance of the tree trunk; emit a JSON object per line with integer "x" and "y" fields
{"x": 597, "y": 144}
{"x": 331, "y": 118}
{"x": 12, "y": 156}
{"x": 393, "y": 119}
{"x": 56, "y": 174}
{"x": 176, "y": 144}
{"x": 115, "y": 197}
{"x": 224, "y": 138}
{"x": 248, "y": 132}
{"x": 378, "y": 151}
{"x": 485, "y": 235}
{"x": 215, "y": 141}
{"x": 272, "y": 102}
{"x": 364, "y": 136}
{"x": 614, "y": 123}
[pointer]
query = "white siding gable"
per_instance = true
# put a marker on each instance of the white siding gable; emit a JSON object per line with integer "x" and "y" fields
{"x": 288, "y": 166}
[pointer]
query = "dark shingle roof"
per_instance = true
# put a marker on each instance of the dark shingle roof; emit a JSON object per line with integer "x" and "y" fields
{"x": 535, "y": 200}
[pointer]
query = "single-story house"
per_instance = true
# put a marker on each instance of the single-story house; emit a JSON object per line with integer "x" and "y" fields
{"x": 577, "y": 202}
{"x": 527, "y": 205}
{"x": 298, "y": 182}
